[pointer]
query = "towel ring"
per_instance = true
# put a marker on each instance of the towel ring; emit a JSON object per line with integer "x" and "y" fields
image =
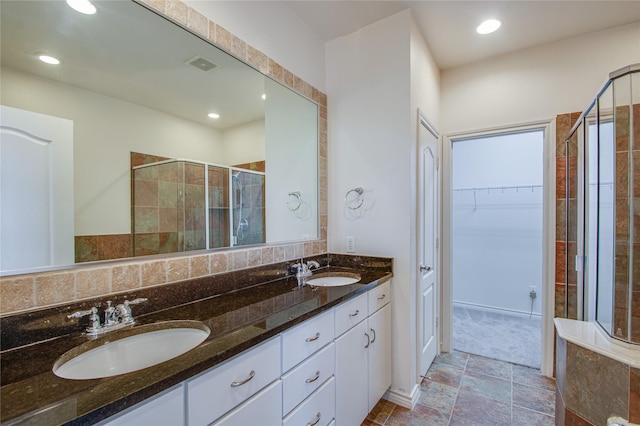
{"x": 353, "y": 199}
{"x": 294, "y": 201}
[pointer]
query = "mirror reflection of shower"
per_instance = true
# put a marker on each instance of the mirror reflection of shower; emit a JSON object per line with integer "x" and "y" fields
{"x": 248, "y": 218}
{"x": 183, "y": 205}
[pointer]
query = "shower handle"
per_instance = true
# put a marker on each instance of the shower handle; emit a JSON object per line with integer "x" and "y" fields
{"x": 424, "y": 268}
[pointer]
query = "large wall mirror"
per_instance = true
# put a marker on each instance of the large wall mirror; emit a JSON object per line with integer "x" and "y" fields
{"x": 145, "y": 139}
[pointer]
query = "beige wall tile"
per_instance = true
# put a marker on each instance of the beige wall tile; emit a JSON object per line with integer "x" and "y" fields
{"x": 267, "y": 255}
{"x": 278, "y": 254}
{"x": 178, "y": 269}
{"x": 254, "y": 257}
{"x": 17, "y": 293}
{"x": 239, "y": 48}
{"x": 238, "y": 259}
{"x": 199, "y": 266}
{"x": 55, "y": 288}
{"x": 125, "y": 277}
{"x": 197, "y": 22}
{"x": 223, "y": 38}
{"x": 258, "y": 59}
{"x": 93, "y": 282}
{"x": 154, "y": 273}
{"x": 177, "y": 10}
{"x": 218, "y": 263}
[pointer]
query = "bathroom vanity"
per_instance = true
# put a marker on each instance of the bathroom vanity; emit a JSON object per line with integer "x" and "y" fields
{"x": 275, "y": 354}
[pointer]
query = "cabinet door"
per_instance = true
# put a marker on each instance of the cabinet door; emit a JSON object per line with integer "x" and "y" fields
{"x": 352, "y": 404}
{"x": 263, "y": 409}
{"x": 164, "y": 409}
{"x": 379, "y": 354}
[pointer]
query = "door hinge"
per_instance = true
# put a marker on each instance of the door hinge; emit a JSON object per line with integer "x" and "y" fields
{"x": 437, "y": 243}
{"x": 438, "y": 163}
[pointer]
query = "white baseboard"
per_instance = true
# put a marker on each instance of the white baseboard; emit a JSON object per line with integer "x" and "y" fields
{"x": 403, "y": 399}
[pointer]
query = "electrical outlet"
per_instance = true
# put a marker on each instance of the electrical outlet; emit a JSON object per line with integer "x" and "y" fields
{"x": 533, "y": 292}
{"x": 351, "y": 244}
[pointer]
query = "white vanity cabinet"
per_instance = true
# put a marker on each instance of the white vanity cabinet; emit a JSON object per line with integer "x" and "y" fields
{"x": 363, "y": 356}
{"x": 165, "y": 409}
{"x": 224, "y": 387}
{"x": 330, "y": 370}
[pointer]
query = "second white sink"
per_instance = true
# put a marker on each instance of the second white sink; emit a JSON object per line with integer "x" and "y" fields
{"x": 333, "y": 279}
{"x": 140, "y": 348}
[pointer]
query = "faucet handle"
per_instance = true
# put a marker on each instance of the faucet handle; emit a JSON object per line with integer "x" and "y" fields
{"x": 125, "y": 309}
{"x": 94, "y": 319}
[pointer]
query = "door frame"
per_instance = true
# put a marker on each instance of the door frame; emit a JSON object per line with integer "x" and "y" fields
{"x": 424, "y": 122}
{"x": 548, "y": 231}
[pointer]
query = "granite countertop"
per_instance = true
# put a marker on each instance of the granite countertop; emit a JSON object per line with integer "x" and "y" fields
{"x": 239, "y": 319}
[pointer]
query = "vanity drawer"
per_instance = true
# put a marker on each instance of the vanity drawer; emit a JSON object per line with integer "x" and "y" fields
{"x": 350, "y": 313}
{"x": 305, "y": 339}
{"x": 379, "y": 296}
{"x": 317, "y": 410}
{"x": 220, "y": 389}
{"x": 262, "y": 409}
{"x": 307, "y": 377}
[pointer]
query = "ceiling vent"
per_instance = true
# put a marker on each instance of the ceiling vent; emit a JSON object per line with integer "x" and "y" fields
{"x": 201, "y": 63}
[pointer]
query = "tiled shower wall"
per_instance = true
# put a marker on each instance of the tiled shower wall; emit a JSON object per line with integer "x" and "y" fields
{"x": 566, "y": 280}
{"x": 31, "y": 291}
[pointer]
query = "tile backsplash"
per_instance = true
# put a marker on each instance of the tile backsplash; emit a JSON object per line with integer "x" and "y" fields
{"x": 89, "y": 280}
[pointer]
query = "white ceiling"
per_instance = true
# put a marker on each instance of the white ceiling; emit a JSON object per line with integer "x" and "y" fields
{"x": 449, "y": 26}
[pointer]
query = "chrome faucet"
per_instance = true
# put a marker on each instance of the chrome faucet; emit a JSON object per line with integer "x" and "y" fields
{"x": 303, "y": 270}
{"x": 114, "y": 317}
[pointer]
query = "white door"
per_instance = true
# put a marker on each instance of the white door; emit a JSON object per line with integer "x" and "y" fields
{"x": 428, "y": 233}
{"x": 36, "y": 190}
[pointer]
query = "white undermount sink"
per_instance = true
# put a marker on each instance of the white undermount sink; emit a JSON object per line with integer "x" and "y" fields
{"x": 132, "y": 350}
{"x": 332, "y": 279}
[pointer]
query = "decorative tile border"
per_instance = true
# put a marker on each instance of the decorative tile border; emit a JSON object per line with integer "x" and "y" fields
{"x": 83, "y": 281}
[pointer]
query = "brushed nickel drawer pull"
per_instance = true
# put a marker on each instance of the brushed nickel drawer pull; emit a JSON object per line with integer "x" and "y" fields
{"x": 382, "y": 297}
{"x": 368, "y": 340}
{"x": 374, "y": 335}
{"x": 314, "y": 338}
{"x": 315, "y": 421}
{"x": 355, "y": 314}
{"x": 313, "y": 379}
{"x": 242, "y": 382}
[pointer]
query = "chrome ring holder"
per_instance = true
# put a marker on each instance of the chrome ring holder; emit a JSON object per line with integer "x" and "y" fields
{"x": 295, "y": 201}
{"x": 353, "y": 199}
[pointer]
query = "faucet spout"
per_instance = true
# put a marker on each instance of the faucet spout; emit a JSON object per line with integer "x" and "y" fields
{"x": 303, "y": 270}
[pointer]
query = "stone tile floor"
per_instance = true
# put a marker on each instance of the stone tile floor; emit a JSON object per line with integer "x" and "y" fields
{"x": 470, "y": 390}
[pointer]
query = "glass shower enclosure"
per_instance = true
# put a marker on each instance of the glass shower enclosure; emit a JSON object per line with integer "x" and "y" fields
{"x": 603, "y": 158}
{"x": 183, "y": 205}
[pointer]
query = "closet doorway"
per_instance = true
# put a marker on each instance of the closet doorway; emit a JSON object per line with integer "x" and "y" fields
{"x": 497, "y": 245}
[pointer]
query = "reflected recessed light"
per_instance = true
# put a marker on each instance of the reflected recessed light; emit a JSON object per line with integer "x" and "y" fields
{"x": 82, "y": 6}
{"x": 488, "y": 26}
{"x": 213, "y": 115}
{"x": 264, "y": 96}
{"x": 48, "y": 59}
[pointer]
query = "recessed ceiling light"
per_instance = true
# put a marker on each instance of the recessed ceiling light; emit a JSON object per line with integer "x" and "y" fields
{"x": 488, "y": 26}
{"x": 213, "y": 115}
{"x": 82, "y": 6}
{"x": 48, "y": 59}
{"x": 264, "y": 96}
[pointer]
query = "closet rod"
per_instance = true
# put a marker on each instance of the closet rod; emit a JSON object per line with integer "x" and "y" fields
{"x": 495, "y": 188}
